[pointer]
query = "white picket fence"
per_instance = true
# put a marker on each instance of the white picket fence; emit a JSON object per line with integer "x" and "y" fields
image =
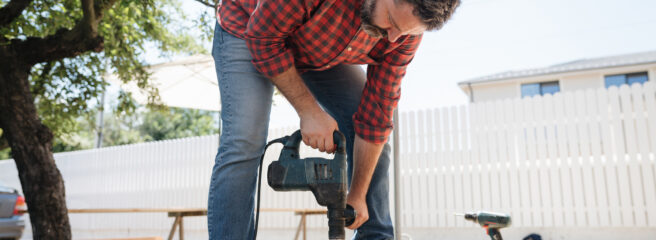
{"x": 582, "y": 159}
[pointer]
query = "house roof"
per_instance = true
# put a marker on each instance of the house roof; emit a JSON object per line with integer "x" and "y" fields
{"x": 578, "y": 65}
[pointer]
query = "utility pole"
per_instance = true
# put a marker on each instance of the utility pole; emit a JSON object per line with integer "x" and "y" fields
{"x": 397, "y": 176}
{"x": 100, "y": 121}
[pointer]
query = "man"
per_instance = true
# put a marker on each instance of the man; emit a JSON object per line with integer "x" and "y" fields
{"x": 308, "y": 50}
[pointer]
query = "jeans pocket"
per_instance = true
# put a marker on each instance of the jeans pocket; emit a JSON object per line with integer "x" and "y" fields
{"x": 217, "y": 41}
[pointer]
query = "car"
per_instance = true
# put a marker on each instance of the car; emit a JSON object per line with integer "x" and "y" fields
{"x": 12, "y": 206}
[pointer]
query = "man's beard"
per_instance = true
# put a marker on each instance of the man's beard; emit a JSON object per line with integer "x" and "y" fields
{"x": 366, "y": 15}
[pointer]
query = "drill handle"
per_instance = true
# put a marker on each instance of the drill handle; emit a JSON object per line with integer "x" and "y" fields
{"x": 294, "y": 142}
{"x": 494, "y": 234}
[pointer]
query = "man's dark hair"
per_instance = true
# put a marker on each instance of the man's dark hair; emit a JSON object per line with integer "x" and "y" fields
{"x": 434, "y": 13}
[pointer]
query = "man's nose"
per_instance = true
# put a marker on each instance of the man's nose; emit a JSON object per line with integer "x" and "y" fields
{"x": 393, "y": 35}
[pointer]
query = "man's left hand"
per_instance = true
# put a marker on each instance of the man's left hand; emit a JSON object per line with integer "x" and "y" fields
{"x": 359, "y": 204}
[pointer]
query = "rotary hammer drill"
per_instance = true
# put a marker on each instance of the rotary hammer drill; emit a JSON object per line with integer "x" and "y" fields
{"x": 326, "y": 178}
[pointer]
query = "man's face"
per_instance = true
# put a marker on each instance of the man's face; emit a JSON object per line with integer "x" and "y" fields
{"x": 390, "y": 19}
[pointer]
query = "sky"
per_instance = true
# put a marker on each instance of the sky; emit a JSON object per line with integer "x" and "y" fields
{"x": 489, "y": 36}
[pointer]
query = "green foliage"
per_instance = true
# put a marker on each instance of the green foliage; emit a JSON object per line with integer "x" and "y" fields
{"x": 158, "y": 124}
{"x": 4, "y": 148}
{"x": 177, "y": 123}
{"x": 65, "y": 89}
{"x": 120, "y": 129}
{"x": 5, "y": 154}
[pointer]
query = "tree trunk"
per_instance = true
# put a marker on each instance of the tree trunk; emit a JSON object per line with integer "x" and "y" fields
{"x": 31, "y": 143}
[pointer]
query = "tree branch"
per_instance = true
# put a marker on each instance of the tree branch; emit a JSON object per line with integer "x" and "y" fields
{"x": 89, "y": 17}
{"x": 66, "y": 43}
{"x": 12, "y": 10}
{"x": 206, "y": 3}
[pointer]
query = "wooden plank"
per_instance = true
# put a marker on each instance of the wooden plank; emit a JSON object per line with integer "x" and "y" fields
{"x": 596, "y": 125}
{"x": 180, "y": 210}
{"x": 542, "y": 166}
{"x": 475, "y": 159}
{"x": 621, "y": 160}
{"x": 485, "y": 156}
{"x": 513, "y": 167}
{"x": 455, "y": 162}
{"x": 466, "y": 172}
{"x": 585, "y": 170}
{"x": 641, "y": 164}
{"x": 140, "y": 210}
{"x": 649, "y": 92}
{"x": 176, "y": 222}
{"x": 439, "y": 173}
{"x": 181, "y": 228}
{"x": 493, "y": 156}
{"x": 610, "y": 155}
{"x": 431, "y": 153}
{"x": 510, "y": 165}
{"x": 501, "y": 115}
{"x": 420, "y": 166}
{"x": 137, "y": 238}
{"x": 640, "y": 95}
{"x": 457, "y": 166}
{"x": 553, "y": 201}
{"x": 299, "y": 228}
{"x": 620, "y": 171}
{"x": 412, "y": 161}
{"x": 635, "y": 187}
{"x": 650, "y": 104}
{"x": 587, "y": 124}
{"x": 608, "y": 216}
{"x": 566, "y": 200}
{"x": 576, "y": 180}
{"x": 524, "y": 178}
{"x": 530, "y": 106}
{"x": 540, "y": 176}
{"x": 422, "y": 170}
{"x": 448, "y": 162}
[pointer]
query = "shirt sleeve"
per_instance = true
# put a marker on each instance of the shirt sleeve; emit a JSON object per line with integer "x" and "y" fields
{"x": 373, "y": 120}
{"x": 268, "y": 27}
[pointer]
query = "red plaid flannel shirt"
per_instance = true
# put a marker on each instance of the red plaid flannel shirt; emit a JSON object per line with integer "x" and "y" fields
{"x": 319, "y": 34}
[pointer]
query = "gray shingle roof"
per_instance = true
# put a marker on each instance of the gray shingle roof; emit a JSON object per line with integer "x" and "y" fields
{"x": 578, "y": 65}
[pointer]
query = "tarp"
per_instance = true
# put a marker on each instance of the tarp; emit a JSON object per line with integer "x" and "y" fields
{"x": 188, "y": 82}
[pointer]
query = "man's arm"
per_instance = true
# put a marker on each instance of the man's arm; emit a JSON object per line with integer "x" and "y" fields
{"x": 317, "y": 126}
{"x": 268, "y": 27}
{"x": 367, "y": 154}
{"x": 373, "y": 121}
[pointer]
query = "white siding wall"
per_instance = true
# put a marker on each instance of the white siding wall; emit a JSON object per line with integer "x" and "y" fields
{"x": 571, "y": 81}
{"x": 581, "y": 82}
{"x": 491, "y": 92}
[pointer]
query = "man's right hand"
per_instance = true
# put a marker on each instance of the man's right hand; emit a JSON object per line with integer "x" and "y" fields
{"x": 317, "y": 129}
{"x": 317, "y": 126}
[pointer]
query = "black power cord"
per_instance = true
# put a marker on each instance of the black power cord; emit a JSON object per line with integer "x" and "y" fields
{"x": 282, "y": 140}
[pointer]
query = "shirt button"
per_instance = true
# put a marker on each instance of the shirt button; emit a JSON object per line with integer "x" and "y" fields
{"x": 349, "y": 49}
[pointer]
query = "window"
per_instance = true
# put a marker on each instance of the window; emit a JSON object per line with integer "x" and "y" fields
{"x": 629, "y": 78}
{"x": 532, "y": 89}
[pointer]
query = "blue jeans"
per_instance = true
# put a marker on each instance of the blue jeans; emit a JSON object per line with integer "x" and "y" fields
{"x": 246, "y": 105}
